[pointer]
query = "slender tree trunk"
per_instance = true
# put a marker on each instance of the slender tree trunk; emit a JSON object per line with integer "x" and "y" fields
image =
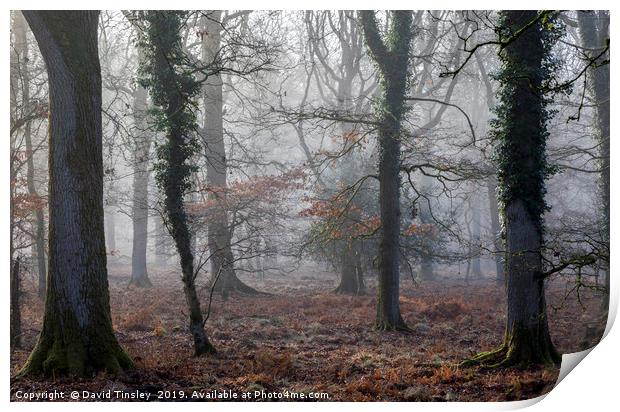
{"x": 476, "y": 246}
{"x": 171, "y": 91}
{"x": 359, "y": 270}
{"x": 16, "y": 317}
{"x": 594, "y": 28}
{"x": 388, "y": 308}
{"x": 426, "y": 250}
{"x": 139, "y": 273}
{"x": 110, "y": 222}
{"x": 392, "y": 61}
{"x": 160, "y": 241}
{"x": 219, "y": 233}
{"x": 495, "y": 230}
{"x": 77, "y": 335}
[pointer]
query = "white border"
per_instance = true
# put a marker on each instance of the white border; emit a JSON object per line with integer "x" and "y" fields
{"x": 591, "y": 386}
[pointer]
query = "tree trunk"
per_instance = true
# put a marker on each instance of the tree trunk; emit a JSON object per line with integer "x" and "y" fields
{"x": 77, "y": 335}
{"x": 160, "y": 241}
{"x": 392, "y": 62}
{"x": 476, "y": 271}
{"x": 359, "y": 270}
{"x": 219, "y": 233}
{"x": 594, "y": 28}
{"x": 21, "y": 45}
{"x": 110, "y": 223}
{"x": 351, "y": 276}
{"x": 495, "y": 230}
{"x": 426, "y": 249}
{"x": 172, "y": 90}
{"x": 139, "y": 274}
{"x": 520, "y": 138}
{"x": 16, "y": 317}
{"x": 527, "y": 337}
{"x": 388, "y": 308}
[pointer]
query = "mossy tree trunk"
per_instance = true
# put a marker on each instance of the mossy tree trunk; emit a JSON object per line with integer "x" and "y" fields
{"x": 172, "y": 90}
{"x": 520, "y": 136}
{"x": 77, "y": 336}
{"x": 392, "y": 59}
{"x": 527, "y": 338}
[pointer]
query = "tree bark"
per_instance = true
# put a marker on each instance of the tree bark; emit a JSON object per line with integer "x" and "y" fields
{"x": 16, "y": 317}
{"x": 139, "y": 273}
{"x": 500, "y": 278}
{"x": 218, "y": 230}
{"x": 160, "y": 241}
{"x": 392, "y": 61}
{"x": 171, "y": 91}
{"x": 110, "y": 222}
{"x": 426, "y": 250}
{"x": 351, "y": 276}
{"x": 527, "y": 338}
{"x": 521, "y": 142}
{"x": 77, "y": 335}
{"x": 476, "y": 249}
{"x": 594, "y": 29}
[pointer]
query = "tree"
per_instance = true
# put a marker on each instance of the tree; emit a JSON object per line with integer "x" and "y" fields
{"x": 426, "y": 251}
{"x": 491, "y": 184}
{"x": 172, "y": 89}
{"x": 520, "y": 136}
{"x": 21, "y": 48}
{"x": 391, "y": 57}
{"x": 594, "y": 30}
{"x": 77, "y": 335}
{"x": 139, "y": 273}
{"x": 337, "y": 79}
{"x": 218, "y": 231}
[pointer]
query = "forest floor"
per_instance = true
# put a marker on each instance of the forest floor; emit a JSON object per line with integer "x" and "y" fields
{"x": 305, "y": 339}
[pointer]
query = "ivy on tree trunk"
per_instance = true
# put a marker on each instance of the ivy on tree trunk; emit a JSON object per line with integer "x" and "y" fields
{"x": 172, "y": 89}
{"x": 391, "y": 57}
{"x": 520, "y": 136}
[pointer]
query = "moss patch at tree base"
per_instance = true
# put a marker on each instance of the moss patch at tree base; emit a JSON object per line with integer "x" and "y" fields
{"x": 53, "y": 358}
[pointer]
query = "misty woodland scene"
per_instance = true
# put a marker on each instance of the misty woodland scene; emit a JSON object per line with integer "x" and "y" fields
{"x": 246, "y": 205}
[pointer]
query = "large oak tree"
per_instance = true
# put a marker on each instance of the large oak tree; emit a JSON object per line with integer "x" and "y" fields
{"x": 77, "y": 335}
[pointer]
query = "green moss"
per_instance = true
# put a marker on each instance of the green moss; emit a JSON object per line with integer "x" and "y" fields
{"x": 63, "y": 352}
{"x": 522, "y": 347}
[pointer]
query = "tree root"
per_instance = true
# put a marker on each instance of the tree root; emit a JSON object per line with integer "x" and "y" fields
{"x": 399, "y": 326}
{"x": 142, "y": 282}
{"x": 493, "y": 359}
{"x": 506, "y": 357}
